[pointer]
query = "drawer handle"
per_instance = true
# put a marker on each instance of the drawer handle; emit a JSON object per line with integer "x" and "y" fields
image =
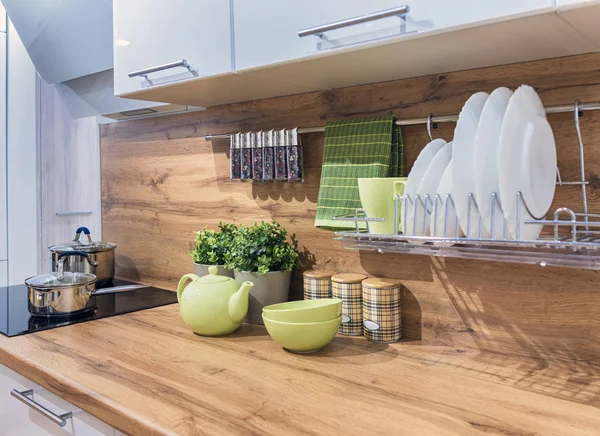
{"x": 144, "y": 73}
{"x": 23, "y": 397}
{"x": 319, "y": 30}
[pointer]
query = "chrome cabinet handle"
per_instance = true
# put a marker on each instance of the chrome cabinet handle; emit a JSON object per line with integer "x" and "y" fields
{"x": 144, "y": 73}
{"x": 318, "y": 30}
{"x": 86, "y": 212}
{"x": 23, "y": 397}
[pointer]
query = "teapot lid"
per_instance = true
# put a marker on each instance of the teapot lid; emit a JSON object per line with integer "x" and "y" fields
{"x": 213, "y": 277}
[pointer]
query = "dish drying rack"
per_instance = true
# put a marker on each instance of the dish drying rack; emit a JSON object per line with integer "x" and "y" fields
{"x": 578, "y": 246}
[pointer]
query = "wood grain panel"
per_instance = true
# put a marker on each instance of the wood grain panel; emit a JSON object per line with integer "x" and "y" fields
{"x": 161, "y": 181}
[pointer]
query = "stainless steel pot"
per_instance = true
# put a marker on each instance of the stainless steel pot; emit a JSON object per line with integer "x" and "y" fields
{"x": 102, "y": 255}
{"x": 66, "y": 293}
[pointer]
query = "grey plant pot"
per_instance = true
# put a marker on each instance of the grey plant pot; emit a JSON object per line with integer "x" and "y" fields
{"x": 270, "y": 288}
{"x": 202, "y": 270}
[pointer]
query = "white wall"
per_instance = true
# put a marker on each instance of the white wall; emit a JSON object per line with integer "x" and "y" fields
{"x": 22, "y": 162}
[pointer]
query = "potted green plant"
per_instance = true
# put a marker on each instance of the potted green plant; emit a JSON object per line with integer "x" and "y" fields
{"x": 262, "y": 255}
{"x": 210, "y": 249}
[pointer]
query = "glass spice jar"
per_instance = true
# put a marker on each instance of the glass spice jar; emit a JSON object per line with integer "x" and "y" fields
{"x": 294, "y": 156}
{"x": 257, "y": 156}
{"x": 235, "y": 157}
{"x": 268, "y": 155}
{"x": 248, "y": 139}
{"x": 281, "y": 155}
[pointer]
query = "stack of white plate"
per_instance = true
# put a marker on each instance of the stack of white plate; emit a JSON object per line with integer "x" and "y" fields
{"x": 503, "y": 146}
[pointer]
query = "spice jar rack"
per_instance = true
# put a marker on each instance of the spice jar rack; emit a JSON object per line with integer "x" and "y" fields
{"x": 266, "y": 156}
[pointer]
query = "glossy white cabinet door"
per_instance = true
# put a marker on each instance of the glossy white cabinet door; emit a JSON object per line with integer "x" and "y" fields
{"x": 566, "y": 4}
{"x": 150, "y": 33}
{"x": 3, "y": 211}
{"x": 266, "y": 31}
{"x": 17, "y": 419}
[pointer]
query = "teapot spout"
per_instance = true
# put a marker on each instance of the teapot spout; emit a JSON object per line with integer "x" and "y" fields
{"x": 238, "y": 303}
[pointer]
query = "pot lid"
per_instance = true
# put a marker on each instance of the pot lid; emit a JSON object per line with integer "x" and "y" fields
{"x": 213, "y": 277}
{"x": 87, "y": 246}
{"x": 51, "y": 280}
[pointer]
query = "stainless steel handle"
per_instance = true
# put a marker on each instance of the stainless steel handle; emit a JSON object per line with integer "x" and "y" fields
{"x": 87, "y": 212}
{"x": 144, "y": 73}
{"x": 116, "y": 289}
{"x": 23, "y": 397}
{"x": 318, "y": 30}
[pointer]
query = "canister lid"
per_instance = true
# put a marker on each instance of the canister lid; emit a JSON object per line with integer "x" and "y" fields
{"x": 318, "y": 274}
{"x": 348, "y": 278}
{"x": 51, "y": 280}
{"x": 381, "y": 283}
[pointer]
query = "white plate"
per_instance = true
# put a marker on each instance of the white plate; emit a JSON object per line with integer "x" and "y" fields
{"x": 429, "y": 185}
{"x": 463, "y": 180}
{"x": 487, "y": 145}
{"x": 452, "y": 228}
{"x": 414, "y": 180}
{"x": 526, "y": 163}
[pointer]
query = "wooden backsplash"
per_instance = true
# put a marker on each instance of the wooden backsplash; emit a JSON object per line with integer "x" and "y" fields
{"x": 161, "y": 181}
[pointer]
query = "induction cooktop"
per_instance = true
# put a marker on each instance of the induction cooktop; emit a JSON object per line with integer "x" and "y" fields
{"x": 15, "y": 318}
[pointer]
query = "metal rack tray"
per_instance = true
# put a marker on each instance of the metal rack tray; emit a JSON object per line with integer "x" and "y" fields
{"x": 574, "y": 241}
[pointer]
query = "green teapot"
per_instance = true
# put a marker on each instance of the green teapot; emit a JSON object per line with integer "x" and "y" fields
{"x": 213, "y": 305}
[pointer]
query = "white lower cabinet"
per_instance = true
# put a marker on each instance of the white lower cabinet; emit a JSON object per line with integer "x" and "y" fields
{"x": 18, "y": 419}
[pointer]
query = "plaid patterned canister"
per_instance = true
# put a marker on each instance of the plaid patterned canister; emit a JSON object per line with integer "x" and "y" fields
{"x": 348, "y": 288}
{"x": 317, "y": 284}
{"x": 381, "y": 310}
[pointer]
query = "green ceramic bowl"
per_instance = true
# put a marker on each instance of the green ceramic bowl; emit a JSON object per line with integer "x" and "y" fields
{"x": 305, "y": 310}
{"x": 304, "y": 337}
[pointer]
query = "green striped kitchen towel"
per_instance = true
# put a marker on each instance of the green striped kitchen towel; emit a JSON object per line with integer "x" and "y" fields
{"x": 366, "y": 147}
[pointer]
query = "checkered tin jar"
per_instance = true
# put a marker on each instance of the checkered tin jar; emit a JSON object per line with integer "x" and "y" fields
{"x": 348, "y": 288}
{"x": 381, "y": 309}
{"x": 317, "y": 284}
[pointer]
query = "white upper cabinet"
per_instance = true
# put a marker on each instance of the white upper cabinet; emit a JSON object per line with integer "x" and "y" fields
{"x": 157, "y": 35}
{"x": 266, "y": 31}
{"x": 65, "y": 39}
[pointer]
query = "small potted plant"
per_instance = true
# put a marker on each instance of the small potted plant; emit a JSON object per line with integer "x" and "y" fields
{"x": 210, "y": 249}
{"x": 261, "y": 254}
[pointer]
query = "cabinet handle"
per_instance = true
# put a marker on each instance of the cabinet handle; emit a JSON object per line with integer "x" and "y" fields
{"x": 318, "y": 30}
{"x": 87, "y": 212}
{"x": 144, "y": 73}
{"x": 23, "y": 397}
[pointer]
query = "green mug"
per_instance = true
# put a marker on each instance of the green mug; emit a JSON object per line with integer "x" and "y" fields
{"x": 377, "y": 198}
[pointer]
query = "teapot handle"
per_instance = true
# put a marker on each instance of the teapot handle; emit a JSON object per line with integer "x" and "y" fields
{"x": 182, "y": 283}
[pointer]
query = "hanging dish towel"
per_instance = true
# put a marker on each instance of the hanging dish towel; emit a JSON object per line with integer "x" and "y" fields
{"x": 366, "y": 147}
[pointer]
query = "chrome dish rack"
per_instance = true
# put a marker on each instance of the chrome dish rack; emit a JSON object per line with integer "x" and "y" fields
{"x": 574, "y": 241}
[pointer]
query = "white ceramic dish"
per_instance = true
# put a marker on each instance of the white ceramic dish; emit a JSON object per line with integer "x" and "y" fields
{"x": 463, "y": 181}
{"x": 487, "y": 145}
{"x": 527, "y": 163}
{"x": 452, "y": 228}
{"x": 414, "y": 180}
{"x": 429, "y": 185}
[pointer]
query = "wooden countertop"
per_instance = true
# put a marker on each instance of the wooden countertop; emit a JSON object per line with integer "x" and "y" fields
{"x": 146, "y": 373}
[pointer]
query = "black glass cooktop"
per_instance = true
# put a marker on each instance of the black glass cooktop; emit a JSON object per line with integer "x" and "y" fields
{"x": 15, "y": 318}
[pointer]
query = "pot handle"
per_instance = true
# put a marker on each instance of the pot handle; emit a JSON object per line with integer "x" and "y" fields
{"x": 85, "y": 231}
{"x": 182, "y": 283}
{"x": 76, "y": 253}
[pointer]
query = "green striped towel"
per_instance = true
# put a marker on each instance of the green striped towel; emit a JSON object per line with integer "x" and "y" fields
{"x": 366, "y": 147}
